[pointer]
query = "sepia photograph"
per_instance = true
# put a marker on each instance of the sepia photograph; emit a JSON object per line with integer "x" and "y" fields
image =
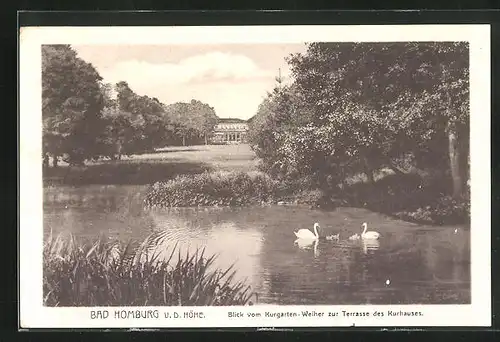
{"x": 256, "y": 173}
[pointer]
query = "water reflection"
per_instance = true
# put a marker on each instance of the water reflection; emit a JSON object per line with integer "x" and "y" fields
{"x": 424, "y": 264}
{"x": 370, "y": 246}
{"x": 308, "y": 244}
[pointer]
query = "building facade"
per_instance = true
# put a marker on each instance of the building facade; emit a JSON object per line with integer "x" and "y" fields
{"x": 230, "y": 131}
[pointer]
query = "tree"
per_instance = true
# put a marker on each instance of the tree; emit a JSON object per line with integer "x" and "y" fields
{"x": 71, "y": 105}
{"x": 119, "y": 133}
{"x": 147, "y": 118}
{"x": 194, "y": 121}
{"x": 178, "y": 114}
{"x": 383, "y": 100}
{"x": 204, "y": 118}
{"x": 442, "y": 124}
{"x": 358, "y": 107}
{"x": 273, "y": 116}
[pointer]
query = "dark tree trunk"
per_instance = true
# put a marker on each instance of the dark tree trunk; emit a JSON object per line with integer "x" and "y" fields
{"x": 454, "y": 156}
{"x": 120, "y": 148}
{"x": 452, "y": 131}
{"x": 464, "y": 154}
{"x": 368, "y": 171}
{"x": 55, "y": 160}
{"x": 45, "y": 160}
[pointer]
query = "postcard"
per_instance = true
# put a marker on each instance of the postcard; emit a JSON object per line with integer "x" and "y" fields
{"x": 255, "y": 176}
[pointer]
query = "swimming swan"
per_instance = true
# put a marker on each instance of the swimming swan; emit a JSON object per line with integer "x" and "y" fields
{"x": 307, "y": 234}
{"x": 369, "y": 235}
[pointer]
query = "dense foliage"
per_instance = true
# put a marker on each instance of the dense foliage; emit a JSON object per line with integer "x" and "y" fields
{"x": 359, "y": 107}
{"x": 85, "y": 118}
{"x": 213, "y": 189}
{"x": 107, "y": 273}
{"x": 71, "y": 105}
{"x": 194, "y": 121}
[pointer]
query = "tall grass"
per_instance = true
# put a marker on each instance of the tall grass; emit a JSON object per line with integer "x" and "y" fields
{"x": 108, "y": 273}
{"x": 221, "y": 188}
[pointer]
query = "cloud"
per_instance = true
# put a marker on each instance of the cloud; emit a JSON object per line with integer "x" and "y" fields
{"x": 229, "y": 99}
{"x": 233, "y": 83}
{"x": 206, "y": 68}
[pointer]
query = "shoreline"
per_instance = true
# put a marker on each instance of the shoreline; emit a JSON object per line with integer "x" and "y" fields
{"x": 278, "y": 203}
{"x": 228, "y": 176}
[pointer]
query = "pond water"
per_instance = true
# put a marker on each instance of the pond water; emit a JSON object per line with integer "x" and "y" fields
{"x": 410, "y": 264}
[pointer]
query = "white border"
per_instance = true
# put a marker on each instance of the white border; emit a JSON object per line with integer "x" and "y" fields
{"x": 34, "y": 315}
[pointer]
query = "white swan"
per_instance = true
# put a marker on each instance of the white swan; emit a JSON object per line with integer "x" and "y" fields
{"x": 369, "y": 235}
{"x": 307, "y": 234}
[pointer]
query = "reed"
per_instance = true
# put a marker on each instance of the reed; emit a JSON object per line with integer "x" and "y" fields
{"x": 108, "y": 273}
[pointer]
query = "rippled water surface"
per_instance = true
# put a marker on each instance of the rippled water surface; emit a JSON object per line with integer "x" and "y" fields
{"x": 410, "y": 264}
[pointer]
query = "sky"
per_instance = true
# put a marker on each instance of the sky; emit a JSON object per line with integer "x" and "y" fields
{"x": 232, "y": 78}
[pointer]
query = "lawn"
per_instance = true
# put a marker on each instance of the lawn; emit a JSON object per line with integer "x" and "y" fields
{"x": 163, "y": 164}
{"x": 217, "y": 157}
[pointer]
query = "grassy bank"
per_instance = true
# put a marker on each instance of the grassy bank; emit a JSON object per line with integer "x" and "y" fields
{"x": 161, "y": 165}
{"x": 123, "y": 172}
{"x": 107, "y": 273}
{"x": 222, "y": 188}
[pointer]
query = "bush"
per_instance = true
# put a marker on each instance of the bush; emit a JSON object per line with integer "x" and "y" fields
{"x": 107, "y": 273}
{"x": 314, "y": 198}
{"x": 213, "y": 189}
{"x": 446, "y": 210}
{"x": 450, "y": 210}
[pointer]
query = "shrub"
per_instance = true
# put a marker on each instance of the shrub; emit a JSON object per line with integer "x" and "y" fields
{"x": 450, "y": 210}
{"x": 445, "y": 210}
{"x": 222, "y": 188}
{"x": 107, "y": 273}
{"x": 314, "y": 198}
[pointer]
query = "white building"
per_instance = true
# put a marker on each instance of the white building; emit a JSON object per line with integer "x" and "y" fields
{"x": 230, "y": 131}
